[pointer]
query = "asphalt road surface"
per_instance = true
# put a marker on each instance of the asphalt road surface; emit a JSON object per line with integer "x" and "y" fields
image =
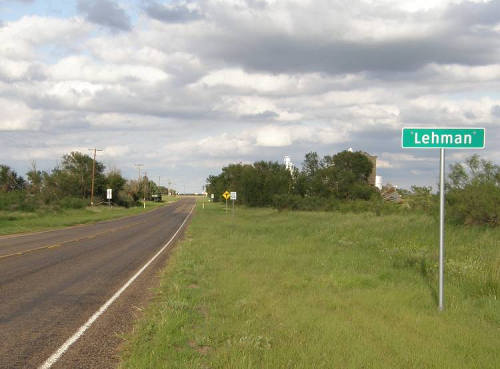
{"x": 51, "y": 283}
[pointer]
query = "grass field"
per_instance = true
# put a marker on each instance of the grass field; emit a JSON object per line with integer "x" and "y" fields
{"x": 20, "y": 222}
{"x": 272, "y": 290}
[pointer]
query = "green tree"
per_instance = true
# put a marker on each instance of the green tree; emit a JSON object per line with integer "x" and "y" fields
{"x": 473, "y": 195}
{"x": 115, "y": 181}
{"x": 75, "y": 175}
{"x": 10, "y": 180}
{"x": 350, "y": 175}
{"x": 35, "y": 179}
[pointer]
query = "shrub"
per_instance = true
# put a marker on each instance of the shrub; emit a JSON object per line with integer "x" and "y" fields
{"x": 17, "y": 200}
{"x": 296, "y": 202}
{"x": 474, "y": 192}
{"x": 421, "y": 198}
{"x": 72, "y": 203}
{"x": 477, "y": 203}
{"x": 363, "y": 191}
{"x": 125, "y": 199}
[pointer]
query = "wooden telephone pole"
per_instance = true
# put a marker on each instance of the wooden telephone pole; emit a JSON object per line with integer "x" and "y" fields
{"x": 93, "y": 176}
{"x": 139, "y": 181}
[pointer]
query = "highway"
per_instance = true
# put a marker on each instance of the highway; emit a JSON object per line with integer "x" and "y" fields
{"x": 52, "y": 283}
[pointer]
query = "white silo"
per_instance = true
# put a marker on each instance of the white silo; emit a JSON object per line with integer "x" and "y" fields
{"x": 378, "y": 182}
{"x": 288, "y": 163}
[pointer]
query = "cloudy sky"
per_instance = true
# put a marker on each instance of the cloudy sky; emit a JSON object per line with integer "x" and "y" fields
{"x": 186, "y": 87}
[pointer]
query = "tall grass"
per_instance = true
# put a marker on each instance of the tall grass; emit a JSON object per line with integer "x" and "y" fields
{"x": 265, "y": 289}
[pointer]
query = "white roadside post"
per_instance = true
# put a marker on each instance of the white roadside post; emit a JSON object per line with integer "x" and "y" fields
{"x": 233, "y": 197}
{"x": 441, "y": 138}
{"x": 109, "y": 195}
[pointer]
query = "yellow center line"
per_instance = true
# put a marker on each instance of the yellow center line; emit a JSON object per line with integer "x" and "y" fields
{"x": 59, "y": 244}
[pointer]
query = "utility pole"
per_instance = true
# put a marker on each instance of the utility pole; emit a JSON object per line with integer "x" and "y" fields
{"x": 93, "y": 175}
{"x": 145, "y": 187}
{"x": 139, "y": 178}
{"x": 159, "y": 189}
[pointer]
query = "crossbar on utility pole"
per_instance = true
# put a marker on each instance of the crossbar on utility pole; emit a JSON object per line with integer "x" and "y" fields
{"x": 139, "y": 167}
{"x": 93, "y": 176}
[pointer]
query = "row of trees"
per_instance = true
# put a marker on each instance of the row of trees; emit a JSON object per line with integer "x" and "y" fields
{"x": 71, "y": 179}
{"x": 473, "y": 187}
{"x": 341, "y": 176}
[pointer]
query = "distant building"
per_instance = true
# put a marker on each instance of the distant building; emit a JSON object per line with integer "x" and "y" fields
{"x": 288, "y": 163}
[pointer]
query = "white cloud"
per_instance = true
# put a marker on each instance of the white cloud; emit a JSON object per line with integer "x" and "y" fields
{"x": 83, "y": 68}
{"x": 115, "y": 151}
{"x": 237, "y": 78}
{"x": 383, "y": 164}
{"x": 17, "y": 116}
{"x": 273, "y": 136}
{"x": 35, "y": 31}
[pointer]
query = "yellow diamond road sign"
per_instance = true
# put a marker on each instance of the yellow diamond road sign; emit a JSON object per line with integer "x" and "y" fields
{"x": 226, "y": 195}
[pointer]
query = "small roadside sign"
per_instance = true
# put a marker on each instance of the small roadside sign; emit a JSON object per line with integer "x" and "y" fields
{"x": 109, "y": 193}
{"x": 233, "y": 198}
{"x": 212, "y": 196}
{"x": 226, "y": 195}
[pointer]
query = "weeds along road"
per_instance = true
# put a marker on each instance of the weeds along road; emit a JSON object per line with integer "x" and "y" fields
{"x": 52, "y": 283}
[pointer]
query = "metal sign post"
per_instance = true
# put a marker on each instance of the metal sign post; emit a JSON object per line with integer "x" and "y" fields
{"x": 441, "y": 228}
{"x": 452, "y": 138}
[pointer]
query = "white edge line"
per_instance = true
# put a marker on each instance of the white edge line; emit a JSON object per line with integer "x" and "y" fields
{"x": 66, "y": 345}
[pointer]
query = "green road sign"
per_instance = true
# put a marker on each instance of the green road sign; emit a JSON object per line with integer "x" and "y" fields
{"x": 449, "y": 138}
{"x": 442, "y": 138}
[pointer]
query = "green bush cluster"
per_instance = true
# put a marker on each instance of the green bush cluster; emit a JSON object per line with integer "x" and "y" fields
{"x": 473, "y": 192}
{"x": 318, "y": 185}
{"x": 375, "y": 204}
{"x": 297, "y": 202}
{"x": 17, "y": 201}
{"x": 475, "y": 204}
{"x": 23, "y": 201}
{"x": 72, "y": 203}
